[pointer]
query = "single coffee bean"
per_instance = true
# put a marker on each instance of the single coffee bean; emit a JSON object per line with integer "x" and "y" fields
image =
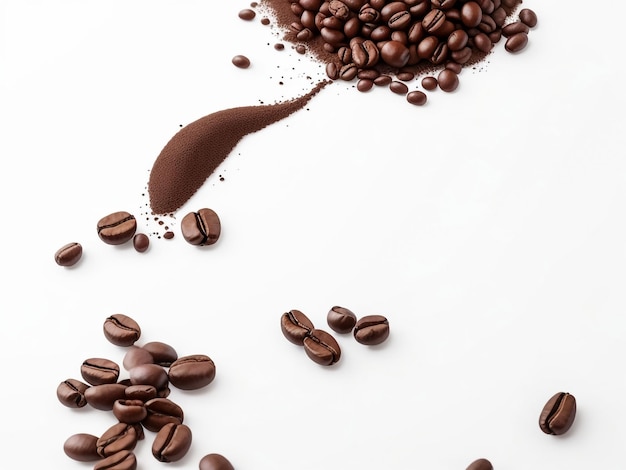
{"x": 558, "y": 414}
{"x": 241, "y": 61}
{"x": 371, "y": 330}
{"x": 448, "y": 80}
{"x": 168, "y": 235}
{"x": 383, "y": 80}
{"x": 163, "y": 353}
{"x": 340, "y": 319}
{"x": 398, "y": 88}
{"x": 121, "y": 330}
{"x": 102, "y": 397}
{"x": 514, "y": 28}
{"x": 201, "y": 228}
{"x": 71, "y": 393}
{"x": 136, "y": 356}
{"x": 191, "y": 372}
{"x": 124, "y": 460}
{"x": 295, "y": 325}
{"x": 82, "y": 447}
{"x": 429, "y": 83}
{"x": 98, "y": 371}
{"x": 480, "y": 464}
{"x": 160, "y": 412}
{"x": 118, "y": 437}
{"x": 348, "y": 71}
{"x": 172, "y": 442}
{"x": 395, "y": 53}
{"x": 148, "y": 374}
{"x": 141, "y": 242}
{"x": 471, "y": 14}
{"x": 215, "y": 462}
{"x": 457, "y": 40}
{"x": 322, "y": 348}
{"x": 516, "y": 43}
{"x": 129, "y": 411}
{"x": 528, "y": 17}
{"x": 433, "y": 21}
{"x": 140, "y": 392}
{"x": 364, "y": 85}
{"x": 68, "y": 255}
{"x": 247, "y": 14}
{"x": 117, "y": 228}
{"x": 417, "y": 98}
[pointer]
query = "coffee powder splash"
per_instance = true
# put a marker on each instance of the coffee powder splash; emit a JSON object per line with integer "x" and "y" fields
{"x": 199, "y": 148}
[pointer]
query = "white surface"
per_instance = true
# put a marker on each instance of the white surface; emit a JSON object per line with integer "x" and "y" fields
{"x": 488, "y": 226}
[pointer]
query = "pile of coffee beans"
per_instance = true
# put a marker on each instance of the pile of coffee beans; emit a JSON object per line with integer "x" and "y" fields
{"x": 319, "y": 345}
{"x": 139, "y": 402}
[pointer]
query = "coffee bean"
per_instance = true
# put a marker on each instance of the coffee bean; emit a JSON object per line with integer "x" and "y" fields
{"x": 192, "y": 372}
{"x": 341, "y": 319}
{"x": 215, "y": 462}
{"x": 71, "y": 393}
{"x": 117, "y": 228}
{"x": 394, "y": 53}
{"x": 471, "y": 14}
{"x": 383, "y": 80}
{"x": 416, "y": 97}
{"x": 172, "y": 442}
{"x": 201, "y": 228}
{"x": 141, "y": 242}
{"x": 247, "y": 14}
{"x": 163, "y": 353}
{"x": 140, "y": 392}
{"x": 528, "y": 17}
{"x": 457, "y": 40}
{"x": 348, "y": 71}
{"x": 102, "y": 397}
{"x": 405, "y": 76}
{"x": 118, "y": 437}
{"x": 482, "y": 42}
{"x": 398, "y": 88}
{"x": 516, "y": 43}
{"x": 136, "y": 356}
{"x": 480, "y": 464}
{"x": 82, "y": 447}
{"x": 365, "y": 54}
{"x": 295, "y": 325}
{"x": 558, "y": 414}
{"x": 148, "y": 374}
{"x": 433, "y": 21}
{"x": 121, "y": 330}
{"x": 429, "y": 83}
{"x": 371, "y": 330}
{"x": 364, "y": 85}
{"x": 124, "y": 460}
{"x": 129, "y": 411}
{"x": 400, "y": 20}
{"x": 322, "y": 348}
{"x": 160, "y": 412}
{"x": 241, "y": 61}
{"x": 448, "y": 80}
{"x": 68, "y": 255}
{"x": 98, "y": 371}
{"x": 514, "y": 28}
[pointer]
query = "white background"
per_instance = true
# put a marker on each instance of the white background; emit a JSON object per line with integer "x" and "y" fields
{"x": 488, "y": 226}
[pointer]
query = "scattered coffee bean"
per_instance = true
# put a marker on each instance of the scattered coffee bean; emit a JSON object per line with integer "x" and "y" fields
{"x": 480, "y": 464}
{"x": 371, "y": 330}
{"x": 148, "y": 374}
{"x": 215, "y": 462}
{"x": 140, "y": 392}
{"x": 168, "y": 235}
{"x": 341, "y": 320}
{"x": 71, "y": 393}
{"x": 247, "y": 14}
{"x": 163, "y": 353}
{"x": 160, "y": 412}
{"x": 129, "y": 411}
{"x": 201, "y": 228}
{"x": 82, "y": 447}
{"x": 98, "y": 371}
{"x": 321, "y": 347}
{"x": 398, "y": 88}
{"x": 416, "y": 97}
{"x": 295, "y": 325}
{"x": 123, "y": 460}
{"x": 141, "y": 242}
{"x": 516, "y": 43}
{"x": 117, "y": 228}
{"x": 429, "y": 83}
{"x": 241, "y": 61}
{"x": 528, "y": 17}
{"x": 68, "y": 255}
{"x": 136, "y": 356}
{"x": 192, "y": 372}
{"x": 118, "y": 437}
{"x": 558, "y": 414}
{"x": 448, "y": 80}
{"x": 102, "y": 397}
{"x": 172, "y": 442}
{"x": 121, "y": 330}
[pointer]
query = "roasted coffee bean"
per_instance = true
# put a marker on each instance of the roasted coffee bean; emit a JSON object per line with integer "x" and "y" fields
{"x": 457, "y": 40}
{"x": 364, "y": 85}
{"x": 368, "y": 14}
{"x": 117, "y": 228}
{"x": 390, "y": 9}
{"x": 516, "y": 43}
{"x": 433, "y": 21}
{"x": 304, "y": 35}
{"x": 339, "y": 9}
{"x": 394, "y": 53}
{"x": 471, "y": 14}
{"x": 341, "y": 319}
{"x": 148, "y": 374}
{"x": 82, "y": 447}
{"x": 371, "y": 330}
{"x": 558, "y": 414}
{"x": 191, "y": 372}
{"x": 405, "y": 76}
{"x": 417, "y": 98}
{"x": 383, "y": 80}
{"x": 332, "y": 71}
{"x": 71, "y": 393}
{"x": 247, "y": 14}
{"x": 348, "y": 71}
{"x": 322, "y": 348}
{"x": 172, "y": 442}
{"x": 141, "y": 242}
{"x": 136, "y": 356}
{"x": 514, "y": 28}
{"x": 448, "y": 80}
{"x": 160, "y": 412}
{"x": 398, "y": 88}
{"x": 482, "y": 42}
{"x": 129, "y": 411}
{"x": 163, "y": 353}
{"x": 121, "y": 330}
{"x": 365, "y": 54}
{"x": 429, "y": 83}
{"x": 98, "y": 371}
{"x": 201, "y": 228}
{"x": 454, "y": 66}
{"x": 528, "y": 17}
{"x": 102, "y": 397}
{"x": 118, "y": 437}
{"x": 124, "y": 460}
{"x": 295, "y": 325}
{"x": 68, "y": 255}
{"x": 215, "y": 462}
{"x": 400, "y": 20}
{"x": 140, "y": 392}
{"x": 480, "y": 464}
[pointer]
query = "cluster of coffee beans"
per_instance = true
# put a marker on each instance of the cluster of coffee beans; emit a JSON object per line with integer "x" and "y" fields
{"x": 198, "y": 228}
{"x": 139, "y": 402}
{"x": 319, "y": 345}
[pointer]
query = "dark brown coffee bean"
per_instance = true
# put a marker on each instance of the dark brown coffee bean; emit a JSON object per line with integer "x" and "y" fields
{"x": 136, "y": 356}
{"x": 201, "y": 228}
{"x": 124, "y": 460}
{"x": 348, "y": 71}
{"x": 305, "y": 35}
{"x": 332, "y": 70}
{"x": 398, "y": 88}
{"x": 148, "y": 374}
{"x": 215, "y": 462}
{"x": 160, "y": 412}
{"x": 482, "y": 42}
{"x": 480, "y": 464}
{"x": 163, "y": 353}
{"x": 380, "y": 33}
{"x": 390, "y": 9}
{"x": 368, "y": 74}
{"x": 405, "y": 76}
{"x": 457, "y": 40}
{"x": 371, "y": 330}
{"x": 416, "y": 97}
{"x": 322, "y": 348}
{"x": 433, "y": 21}
{"x": 82, "y": 447}
{"x": 339, "y": 9}
{"x": 341, "y": 319}
{"x": 247, "y": 14}
{"x": 368, "y": 14}
{"x": 118, "y": 437}
{"x": 514, "y": 28}
{"x": 117, "y": 228}
{"x": 364, "y": 85}
{"x": 454, "y": 66}
{"x": 140, "y": 392}
{"x": 121, "y": 330}
{"x": 98, "y": 371}
{"x": 192, "y": 372}
{"x": 129, "y": 411}
{"x": 429, "y": 83}
{"x": 383, "y": 80}
{"x": 558, "y": 414}
{"x": 528, "y": 17}
{"x": 168, "y": 235}
{"x": 400, "y": 20}
{"x": 102, "y": 397}
{"x": 172, "y": 442}
{"x": 365, "y": 54}
{"x": 516, "y": 43}
{"x": 448, "y": 80}
{"x": 462, "y": 56}
{"x": 295, "y": 325}
{"x": 471, "y": 14}
{"x": 68, "y": 255}
{"x": 141, "y": 242}
{"x": 394, "y": 53}
{"x": 71, "y": 393}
